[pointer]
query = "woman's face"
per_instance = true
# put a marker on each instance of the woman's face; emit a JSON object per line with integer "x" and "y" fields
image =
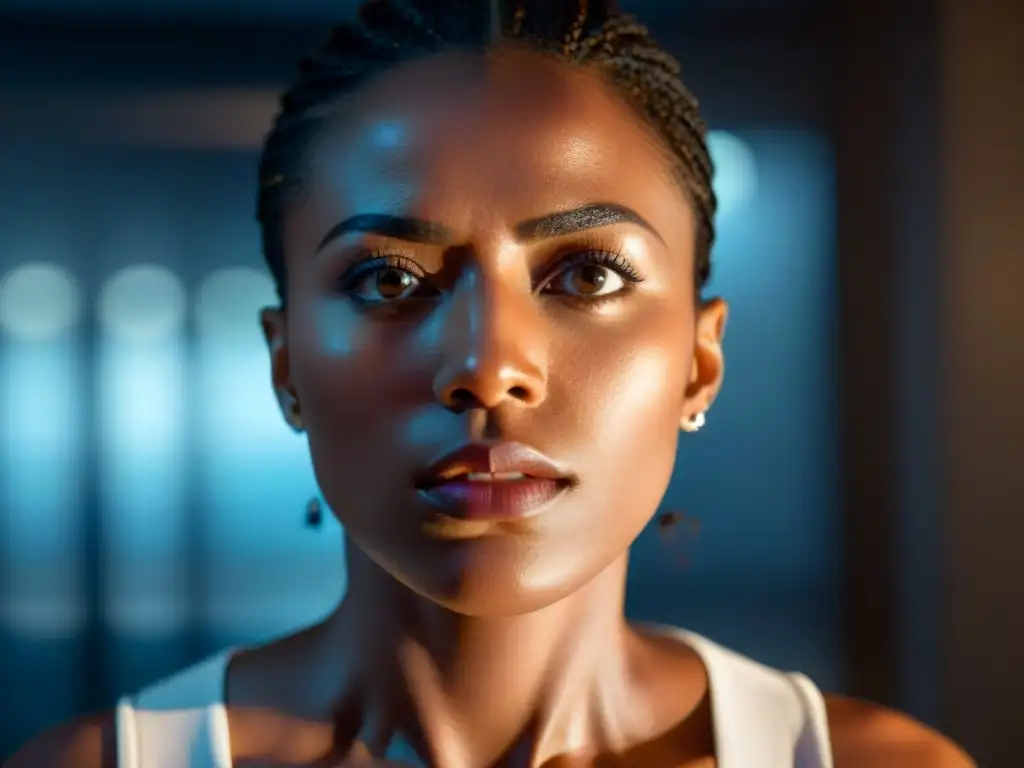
{"x": 485, "y": 321}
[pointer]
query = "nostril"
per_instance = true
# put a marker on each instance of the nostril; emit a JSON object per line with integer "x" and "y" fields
{"x": 462, "y": 398}
{"x": 519, "y": 393}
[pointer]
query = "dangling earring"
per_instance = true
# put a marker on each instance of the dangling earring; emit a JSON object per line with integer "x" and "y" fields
{"x": 695, "y": 423}
{"x": 314, "y": 516}
{"x": 295, "y": 422}
{"x": 517, "y": 20}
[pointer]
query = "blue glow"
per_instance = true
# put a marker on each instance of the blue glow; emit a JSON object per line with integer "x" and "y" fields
{"x": 775, "y": 263}
{"x": 228, "y": 305}
{"x": 736, "y": 176}
{"x": 38, "y": 301}
{"x": 141, "y": 303}
{"x": 357, "y": 177}
{"x": 764, "y": 569}
{"x": 389, "y": 135}
{"x": 268, "y": 573}
{"x": 40, "y": 479}
{"x": 142, "y": 421}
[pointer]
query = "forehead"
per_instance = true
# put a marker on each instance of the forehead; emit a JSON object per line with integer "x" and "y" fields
{"x": 466, "y": 139}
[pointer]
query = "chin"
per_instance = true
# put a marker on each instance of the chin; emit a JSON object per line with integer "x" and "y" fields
{"x": 489, "y": 602}
{"x": 496, "y": 576}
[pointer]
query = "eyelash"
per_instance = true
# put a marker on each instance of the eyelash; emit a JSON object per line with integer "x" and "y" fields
{"x": 375, "y": 260}
{"x": 610, "y": 257}
{"x": 605, "y": 255}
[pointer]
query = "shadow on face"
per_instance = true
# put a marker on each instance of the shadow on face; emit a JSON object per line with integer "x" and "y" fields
{"x": 492, "y": 249}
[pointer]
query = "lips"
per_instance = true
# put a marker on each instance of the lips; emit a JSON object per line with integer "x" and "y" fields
{"x": 503, "y": 480}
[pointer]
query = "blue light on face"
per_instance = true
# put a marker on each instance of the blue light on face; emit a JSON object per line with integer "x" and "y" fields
{"x": 141, "y": 433}
{"x": 388, "y": 135}
{"x": 368, "y": 173}
{"x": 40, "y": 426}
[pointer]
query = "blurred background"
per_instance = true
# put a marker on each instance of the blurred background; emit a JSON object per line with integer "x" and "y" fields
{"x": 857, "y": 488}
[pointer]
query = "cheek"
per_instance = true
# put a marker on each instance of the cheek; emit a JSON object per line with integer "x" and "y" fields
{"x": 627, "y": 391}
{"x": 353, "y": 387}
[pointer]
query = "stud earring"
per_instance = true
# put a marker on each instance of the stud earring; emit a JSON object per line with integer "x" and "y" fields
{"x": 695, "y": 423}
{"x": 314, "y": 516}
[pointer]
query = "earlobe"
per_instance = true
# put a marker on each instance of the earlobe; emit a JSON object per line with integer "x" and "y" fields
{"x": 708, "y": 366}
{"x": 273, "y": 323}
{"x": 294, "y": 417}
{"x": 287, "y": 397}
{"x": 293, "y": 414}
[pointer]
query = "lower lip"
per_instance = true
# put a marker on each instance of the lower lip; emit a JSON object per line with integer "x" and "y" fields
{"x": 497, "y": 500}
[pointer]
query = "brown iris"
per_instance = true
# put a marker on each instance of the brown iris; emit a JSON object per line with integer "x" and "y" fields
{"x": 588, "y": 278}
{"x": 393, "y": 283}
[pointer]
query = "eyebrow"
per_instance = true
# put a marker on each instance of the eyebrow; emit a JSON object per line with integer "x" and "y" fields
{"x": 556, "y": 224}
{"x": 386, "y": 225}
{"x": 568, "y": 222}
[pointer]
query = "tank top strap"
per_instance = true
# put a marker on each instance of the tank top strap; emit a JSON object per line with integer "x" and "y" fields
{"x": 179, "y": 722}
{"x": 814, "y": 748}
{"x": 763, "y": 718}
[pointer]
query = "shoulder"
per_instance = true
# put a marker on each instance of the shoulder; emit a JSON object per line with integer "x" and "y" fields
{"x": 865, "y": 735}
{"x": 86, "y": 742}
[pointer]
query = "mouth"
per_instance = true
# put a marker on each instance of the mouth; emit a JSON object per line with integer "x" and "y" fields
{"x": 493, "y": 481}
{"x": 481, "y": 477}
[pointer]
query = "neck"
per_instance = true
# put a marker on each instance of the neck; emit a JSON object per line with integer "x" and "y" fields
{"x": 479, "y": 691}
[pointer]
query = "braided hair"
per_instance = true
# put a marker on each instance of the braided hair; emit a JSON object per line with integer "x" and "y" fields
{"x": 389, "y": 32}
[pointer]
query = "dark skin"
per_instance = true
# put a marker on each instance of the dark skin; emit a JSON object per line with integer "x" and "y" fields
{"x": 469, "y": 637}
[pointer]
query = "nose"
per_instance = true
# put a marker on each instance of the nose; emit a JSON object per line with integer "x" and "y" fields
{"x": 493, "y": 349}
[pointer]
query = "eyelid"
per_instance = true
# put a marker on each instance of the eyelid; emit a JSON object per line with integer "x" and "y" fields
{"x": 366, "y": 247}
{"x": 595, "y": 248}
{"x": 371, "y": 260}
{"x": 607, "y": 252}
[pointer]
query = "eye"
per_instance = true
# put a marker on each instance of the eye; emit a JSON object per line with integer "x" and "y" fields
{"x": 585, "y": 280}
{"x": 384, "y": 279}
{"x": 592, "y": 275}
{"x": 385, "y": 284}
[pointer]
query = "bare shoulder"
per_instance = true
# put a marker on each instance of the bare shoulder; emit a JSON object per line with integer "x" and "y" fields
{"x": 866, "y": 735}
{"x": 86, "y": 742}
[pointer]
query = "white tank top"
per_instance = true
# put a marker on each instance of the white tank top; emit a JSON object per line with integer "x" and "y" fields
{"x": 762, "y": 718}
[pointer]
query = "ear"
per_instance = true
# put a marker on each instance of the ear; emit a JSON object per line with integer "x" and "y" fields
{"x": 708, "y": 366}
{"x": 275, "y": 332}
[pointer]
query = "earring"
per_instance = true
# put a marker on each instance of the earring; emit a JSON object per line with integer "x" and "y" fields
{"x": 314, "y": 516}
{"x": 695, "y": 423}
{"x": 295, "y": 412}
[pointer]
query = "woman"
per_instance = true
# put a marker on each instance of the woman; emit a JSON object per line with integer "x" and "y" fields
{"x": 490, "y": 227}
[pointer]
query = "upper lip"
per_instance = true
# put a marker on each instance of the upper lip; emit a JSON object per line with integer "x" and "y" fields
{"x": 494, "y": 458}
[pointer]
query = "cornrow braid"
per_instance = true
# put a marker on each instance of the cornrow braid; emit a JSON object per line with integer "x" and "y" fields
{"x": 389, "y": 32}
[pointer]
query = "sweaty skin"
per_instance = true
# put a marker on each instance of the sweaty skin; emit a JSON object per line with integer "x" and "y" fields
{"x": 491, "y": 643}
